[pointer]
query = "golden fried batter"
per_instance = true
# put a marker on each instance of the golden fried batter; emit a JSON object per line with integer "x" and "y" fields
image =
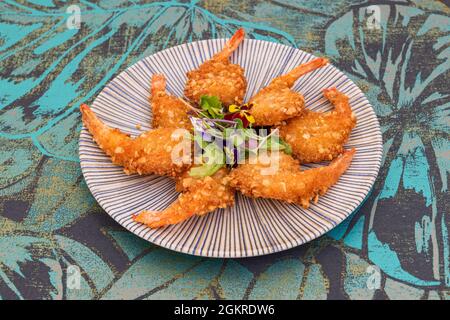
{"x": 288, "y": 182}
{"x": 150, "y": 153}
{"x": 168, "y": 111}
{"x": 277, "y": 102}
{"x": 200, "y": 196}
{"x": 218, "y": 77}
{"x": 316, "y": 136}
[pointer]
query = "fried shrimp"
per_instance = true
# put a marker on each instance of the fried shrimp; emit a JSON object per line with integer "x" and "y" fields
{"x": 218, "y": 77}
{"x": 153, "y": 152}
{"x": 168, "y": 111}
{"x": 317, "y": 136}
{"x": 288, "y": 182}
{"x": 277, "y": 102}
{"x": 199, "y": 196}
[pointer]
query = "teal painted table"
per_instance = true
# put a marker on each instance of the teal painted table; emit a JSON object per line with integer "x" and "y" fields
{"x": 56, "y": 242}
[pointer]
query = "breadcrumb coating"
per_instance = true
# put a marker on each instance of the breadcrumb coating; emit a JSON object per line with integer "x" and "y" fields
{"x": 199, "y": 196}
{"x": 150, "y": 153}
{"x": 288, "y": 182}
{"x": 168, "y": 111}
{"x": 317, "y": 136}
{"x": 277, "y": 102}
{"x": 218, "y": 76}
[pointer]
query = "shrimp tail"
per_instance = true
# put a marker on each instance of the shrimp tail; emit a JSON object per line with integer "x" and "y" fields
{"x": 338, "y": 99}
{"x": 109, "y": 140}
{"x": 156, "y": 219}
{"x": 317, "y": 181}
{"x": 303, "y": 69}
{"x": 198, "y": 197}
{"x": 231, "y": 44}
{"x": 188, "y": 204}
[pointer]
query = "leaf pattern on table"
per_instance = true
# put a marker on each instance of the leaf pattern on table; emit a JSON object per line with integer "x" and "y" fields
{"x": 149, "y": 274}
{"x": 234, "y": 280}
{"x": 48, "y": 70}
{"x": 88, "y": 261}
{"x": 60, "y": 197}
{"x": 29, "y": 268}
{"x": 49, "y": 221}
{"x": 193, "y": 284}
{"x": 18, "y": 162}
{"x": 315, "y": 285}
{"x": 413, "y": 107}
{"x": 401, "y": 291}
{"x": 282, "y": 280}
{"x": 128, "y": 243}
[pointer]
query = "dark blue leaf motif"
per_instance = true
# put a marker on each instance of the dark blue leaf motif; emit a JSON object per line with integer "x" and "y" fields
{"x": 44, "y": 195}
{"x": 193, "y": 284}
{"x": 129, "y": 243}
{"x": 408, "y": 221}
{"x": 47, "y": 70}
{"x": 91, "y": 266}
{"x": 29, "y": 268}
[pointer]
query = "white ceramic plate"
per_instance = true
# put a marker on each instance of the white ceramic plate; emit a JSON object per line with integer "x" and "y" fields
{"x": 253, "y": 226}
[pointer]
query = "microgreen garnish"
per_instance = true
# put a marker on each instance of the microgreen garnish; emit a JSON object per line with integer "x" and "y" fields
{"x": 212, "y": 158}
{"x": 212, "y": 106}
{"x": 226, "y": 137}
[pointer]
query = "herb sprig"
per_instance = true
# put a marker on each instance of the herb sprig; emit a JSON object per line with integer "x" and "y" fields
{"x": 226, "y": 137}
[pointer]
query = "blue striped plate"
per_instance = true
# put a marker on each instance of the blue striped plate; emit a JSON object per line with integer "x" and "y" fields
{"x": 253, "y": 226}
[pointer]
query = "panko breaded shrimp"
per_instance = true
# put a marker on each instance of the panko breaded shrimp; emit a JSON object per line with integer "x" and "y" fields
{"x": 317, "y": 136}
{"x": 288, "y": 182}
{"x": 199, "y": 196}
{"x": 168, "y": 111}
{"x": 150, "y": 153}
{"x": 277, "y": 102}
{"x": 218, "y": 76}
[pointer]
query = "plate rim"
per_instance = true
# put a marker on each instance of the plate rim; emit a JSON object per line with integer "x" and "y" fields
{"x": 253, "y": 252}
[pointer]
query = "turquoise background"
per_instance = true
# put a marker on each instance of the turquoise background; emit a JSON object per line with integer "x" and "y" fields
{"x": 397, "y": 244}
